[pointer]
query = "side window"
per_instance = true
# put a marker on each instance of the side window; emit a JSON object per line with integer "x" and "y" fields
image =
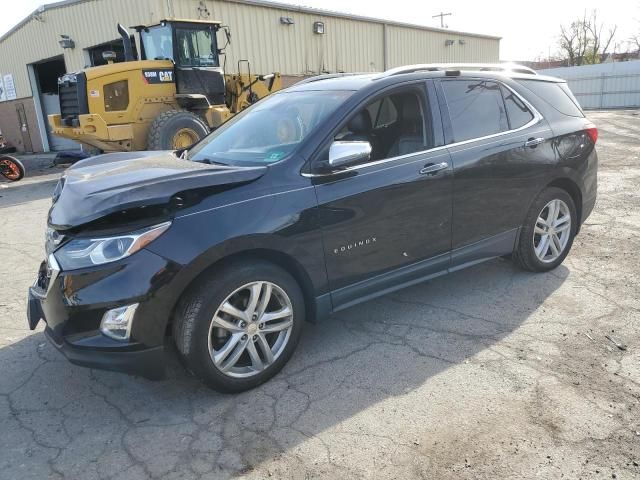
{"x": 387, "y": 114}
{"x": 383, "y": 112}
{"x": 518, "y": 113}
{"x": 476, "y": 108}
{"x": 373, "y": 109}
{"x": 195, "y": 48}
{"x": 394, "y": 125}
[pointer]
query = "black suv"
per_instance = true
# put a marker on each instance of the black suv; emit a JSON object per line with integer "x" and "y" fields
{"x": 329, "y": 193}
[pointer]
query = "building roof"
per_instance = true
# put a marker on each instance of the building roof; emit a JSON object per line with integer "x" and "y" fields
{"x": 268, "y": 4}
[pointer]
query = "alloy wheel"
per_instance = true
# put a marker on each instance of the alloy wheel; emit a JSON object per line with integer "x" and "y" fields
{"x": 552, "y": 231}
{"x": 250, "y": 329}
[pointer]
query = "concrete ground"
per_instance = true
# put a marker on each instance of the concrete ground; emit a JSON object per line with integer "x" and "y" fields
{"x": 488, "y": 373}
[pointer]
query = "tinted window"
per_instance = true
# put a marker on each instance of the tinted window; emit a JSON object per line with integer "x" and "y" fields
{"x": 557, "y": 95}
{"x": 518, "y": 113}
{"x": 383, "y": 113}
{"x": 387, "y": 114}
{"x": 476, "y": 108}
{"x": 393, "y": 125}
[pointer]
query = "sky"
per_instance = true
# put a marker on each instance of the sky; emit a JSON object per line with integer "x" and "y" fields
{"x": 529, "y": 30}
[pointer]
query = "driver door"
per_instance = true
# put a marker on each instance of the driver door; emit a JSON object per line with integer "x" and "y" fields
{"x": 386, "y": 221}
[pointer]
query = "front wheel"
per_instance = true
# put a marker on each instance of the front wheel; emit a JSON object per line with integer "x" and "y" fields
{"x": 548, "y": 231}
{"x": 239, "y": 327}
{"x": 11, "y": 168}
{"x": 176, "y": 129}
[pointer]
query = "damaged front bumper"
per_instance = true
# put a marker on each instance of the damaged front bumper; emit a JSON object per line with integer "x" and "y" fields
{"x": 72, "y": 305}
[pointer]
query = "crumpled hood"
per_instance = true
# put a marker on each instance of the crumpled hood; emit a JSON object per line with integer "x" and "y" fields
{"x": 105, "y": 184}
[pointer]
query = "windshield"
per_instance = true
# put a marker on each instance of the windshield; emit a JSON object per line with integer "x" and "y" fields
{"x": 270, "y": 130}
{"x": 157, "y": 43}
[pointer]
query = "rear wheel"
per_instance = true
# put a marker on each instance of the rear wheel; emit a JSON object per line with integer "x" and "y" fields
{"x": 11, "y": 168}
{"x": 547, "y": 234}
{"x": 238, "y": 328}
{"x": 176, "y": 129}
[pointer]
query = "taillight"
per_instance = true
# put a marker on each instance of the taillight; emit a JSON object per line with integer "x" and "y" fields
{"x": 593, "y": 134}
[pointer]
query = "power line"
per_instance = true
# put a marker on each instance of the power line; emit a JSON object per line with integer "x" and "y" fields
{"x": 442, "y": 15}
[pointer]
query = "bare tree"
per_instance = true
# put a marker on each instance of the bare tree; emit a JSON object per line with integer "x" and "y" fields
{"x": 574, "y": 40}
{"x": 634, "y": 43}
{"x": 599, "y": 42}
{"x": 583, "y": 40}
{"x": 568, "y": 43}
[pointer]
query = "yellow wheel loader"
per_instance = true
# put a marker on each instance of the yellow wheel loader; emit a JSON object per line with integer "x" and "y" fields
{"x": 169, "y": 98}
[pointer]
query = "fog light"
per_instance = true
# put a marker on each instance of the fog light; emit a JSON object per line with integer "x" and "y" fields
{"x": 117, "y": 323}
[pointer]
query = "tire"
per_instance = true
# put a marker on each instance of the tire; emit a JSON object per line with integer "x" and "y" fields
{"x": 176, "y": 129}
{"x": 198, "y": 341}
{"x": 531, "y": 253}
{"x": 11, "y": 168}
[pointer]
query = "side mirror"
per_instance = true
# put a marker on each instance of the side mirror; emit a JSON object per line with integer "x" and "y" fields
{"x": 343, "y": 154}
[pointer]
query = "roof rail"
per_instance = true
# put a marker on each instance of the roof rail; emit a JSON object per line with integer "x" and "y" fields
{"x": 486, "y": 67}
{"x": 326, "y": 76}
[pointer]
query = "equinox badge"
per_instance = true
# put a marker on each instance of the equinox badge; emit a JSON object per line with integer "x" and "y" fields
{"x": 360, "y": 243}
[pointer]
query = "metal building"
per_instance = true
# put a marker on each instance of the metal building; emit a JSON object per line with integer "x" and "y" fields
{"x": 296, "y": 41}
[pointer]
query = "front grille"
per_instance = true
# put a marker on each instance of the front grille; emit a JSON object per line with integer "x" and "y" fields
{"x": 72, "y": 90}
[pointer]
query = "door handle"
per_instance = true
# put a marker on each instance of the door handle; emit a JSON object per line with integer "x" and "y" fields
{"x": 433, "y": 168}
{"x": 533, "y": 142}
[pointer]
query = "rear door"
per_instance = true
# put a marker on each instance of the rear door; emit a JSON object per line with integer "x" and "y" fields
{"x": 388, "y": 220}
{"x": 502, "y": 153}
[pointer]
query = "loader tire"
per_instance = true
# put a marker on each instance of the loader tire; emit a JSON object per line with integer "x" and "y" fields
{"x": 176, "y": 129}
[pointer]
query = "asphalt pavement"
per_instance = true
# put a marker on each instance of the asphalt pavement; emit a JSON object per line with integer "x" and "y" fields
{"x": 487, "y": 373}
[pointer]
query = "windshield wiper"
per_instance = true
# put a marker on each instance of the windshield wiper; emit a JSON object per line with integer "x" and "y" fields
{"x": 185, "y": 156}
{"x": 212, "y": 162}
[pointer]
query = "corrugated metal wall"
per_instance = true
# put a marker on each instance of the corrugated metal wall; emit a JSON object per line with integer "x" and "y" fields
{"x": 606, "y": 85}
{"x": 88, "y": 23}
{"x": 257, "y": 34}
{"x": 411, "y": 45}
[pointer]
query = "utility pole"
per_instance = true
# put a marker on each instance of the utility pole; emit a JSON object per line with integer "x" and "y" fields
{"x": 442, "y": 15}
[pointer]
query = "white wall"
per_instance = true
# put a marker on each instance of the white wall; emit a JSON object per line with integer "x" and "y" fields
{"x": 605, "y": 85}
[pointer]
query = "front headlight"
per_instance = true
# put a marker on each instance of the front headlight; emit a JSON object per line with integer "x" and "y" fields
{"x": 86, "y": 252}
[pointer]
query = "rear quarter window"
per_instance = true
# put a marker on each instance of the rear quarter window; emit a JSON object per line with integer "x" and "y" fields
{"x": 557, "y": 95}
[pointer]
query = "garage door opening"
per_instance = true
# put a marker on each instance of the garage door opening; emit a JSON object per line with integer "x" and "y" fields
{"x": 46, "y": 75}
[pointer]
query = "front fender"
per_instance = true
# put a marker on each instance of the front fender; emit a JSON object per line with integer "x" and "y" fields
{"x": 283, "y": 223}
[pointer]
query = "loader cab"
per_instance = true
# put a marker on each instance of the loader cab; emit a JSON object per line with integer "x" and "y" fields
{"x": 193, "y": 48}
